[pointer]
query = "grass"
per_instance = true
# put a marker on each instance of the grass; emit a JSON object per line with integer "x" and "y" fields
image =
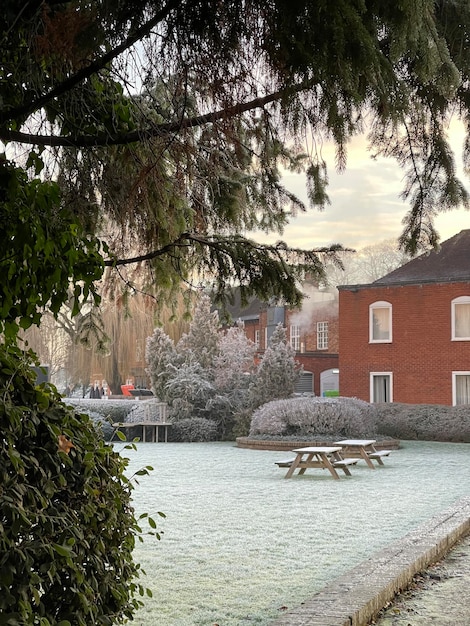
{"x": 241, "y": 543}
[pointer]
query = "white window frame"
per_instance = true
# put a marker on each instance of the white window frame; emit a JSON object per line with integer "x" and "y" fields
{"x": 257, "y": 337}
{"x": 322, "y": 335}
{"x": 265, "y": 337}
{"x": 371, "y": 383}
{"x": 454, "y": 386}
{"x": 380, "y": 305}
{"x": 294, "y": 334}
{"x": 459, "y": 300}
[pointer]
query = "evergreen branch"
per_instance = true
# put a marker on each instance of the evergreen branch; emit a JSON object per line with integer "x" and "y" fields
{"x": 101, "y": 139}
{"x": 182, "y": 241}
{"x": 186, "y": 240}
{"x": 86, "y": 72}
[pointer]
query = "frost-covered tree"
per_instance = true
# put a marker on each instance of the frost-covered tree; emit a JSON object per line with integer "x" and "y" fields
{"x": 233, "y": 373}
{"x": 235, "y": 362}
{"x": 160, "y": 354}
{"x": 277, "y": 372}
{"x": 201, "y": 342}
{"x": 182, "y": 375}
{"x": 211, "y": 375}
{"x": 189, "y": 390}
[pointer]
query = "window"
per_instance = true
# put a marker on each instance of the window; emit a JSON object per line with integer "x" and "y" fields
{"x": 322, "y": 335}
{"x": 381, "y": 387}
{"x": 461, "y": 319}
{"x": 295, "y": 337}
{"x": 257, "y": 332}
{"x": 460, "y": 388}
{"x": 266, "y": 338}
{"x": 380, "y": 322}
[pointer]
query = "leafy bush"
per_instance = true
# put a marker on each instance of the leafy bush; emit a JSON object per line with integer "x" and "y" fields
{"x": 66, "y": 520}
{"x": 428, "y": 422}
{"x": 314, "y": 416}
{"x": 193, "y": 429}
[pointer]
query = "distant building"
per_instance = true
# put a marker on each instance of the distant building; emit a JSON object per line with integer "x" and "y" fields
{"x": 312, "y": 332}
{"x": 406, "y": 336}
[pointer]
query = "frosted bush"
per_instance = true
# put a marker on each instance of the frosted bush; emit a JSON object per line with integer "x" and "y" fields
{"x": 314, "y": 416}
{"x": 111, "y": 410}
{"x": 193, "y": 429}
{"x": 427, "y": 422}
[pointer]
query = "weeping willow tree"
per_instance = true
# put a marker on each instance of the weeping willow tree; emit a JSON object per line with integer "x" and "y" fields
{"x": 127, "y": 325}
{"x": 123, "y": 327}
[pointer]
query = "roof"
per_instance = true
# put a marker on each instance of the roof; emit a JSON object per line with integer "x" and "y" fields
{"x": 449, "y": 263}
{"x": 250, "y": 312}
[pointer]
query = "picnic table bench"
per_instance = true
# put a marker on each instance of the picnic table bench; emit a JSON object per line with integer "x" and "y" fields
{"x": 363, "y": 449}
{"x": 325, "y": 457}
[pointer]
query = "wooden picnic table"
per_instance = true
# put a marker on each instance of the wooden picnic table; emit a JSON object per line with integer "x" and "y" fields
{"x": 364, "y": 449}
{"x": 324, "y": 457}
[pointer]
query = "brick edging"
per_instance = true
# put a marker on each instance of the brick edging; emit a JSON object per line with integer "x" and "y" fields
{"x": 279, "y": 445}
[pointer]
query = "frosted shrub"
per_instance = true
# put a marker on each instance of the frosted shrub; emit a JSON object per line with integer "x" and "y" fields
{"x": 314, "y": 416}
{"x": 111, "y": 410}
{"x": 427, "y": 422}
{"x": 189, "y": 391}
{"x": 193, "y": 429}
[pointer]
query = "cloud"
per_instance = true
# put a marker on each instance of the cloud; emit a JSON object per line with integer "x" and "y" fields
{"x": 365, "y": 208}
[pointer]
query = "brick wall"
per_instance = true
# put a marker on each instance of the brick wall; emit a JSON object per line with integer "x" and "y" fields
{"x": 421, "y": 355}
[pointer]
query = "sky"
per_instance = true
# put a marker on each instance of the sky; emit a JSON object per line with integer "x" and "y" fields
{"x": 366, "y": 207}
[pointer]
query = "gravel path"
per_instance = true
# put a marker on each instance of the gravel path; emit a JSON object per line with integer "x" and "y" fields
{"x": 440, "y": 595}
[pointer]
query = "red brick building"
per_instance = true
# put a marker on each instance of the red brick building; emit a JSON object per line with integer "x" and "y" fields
{"x": 312, "y": 332}
{"x": 406, "y": 337}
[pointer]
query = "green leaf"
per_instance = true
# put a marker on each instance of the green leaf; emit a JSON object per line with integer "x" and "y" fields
{"x": 63, "y": 550}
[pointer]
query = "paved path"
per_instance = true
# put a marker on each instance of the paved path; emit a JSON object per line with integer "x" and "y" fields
{"x": 440, "y": 595}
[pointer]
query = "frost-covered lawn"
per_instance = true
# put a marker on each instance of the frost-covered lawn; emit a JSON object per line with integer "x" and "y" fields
{"x": 240, "y": 542}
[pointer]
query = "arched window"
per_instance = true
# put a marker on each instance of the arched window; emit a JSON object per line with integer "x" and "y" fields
{"x": 380, "y": 322}
{"x": 461, "y": 318}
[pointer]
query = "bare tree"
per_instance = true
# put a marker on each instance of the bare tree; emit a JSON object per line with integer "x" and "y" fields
{"x": 367, "y": 264}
